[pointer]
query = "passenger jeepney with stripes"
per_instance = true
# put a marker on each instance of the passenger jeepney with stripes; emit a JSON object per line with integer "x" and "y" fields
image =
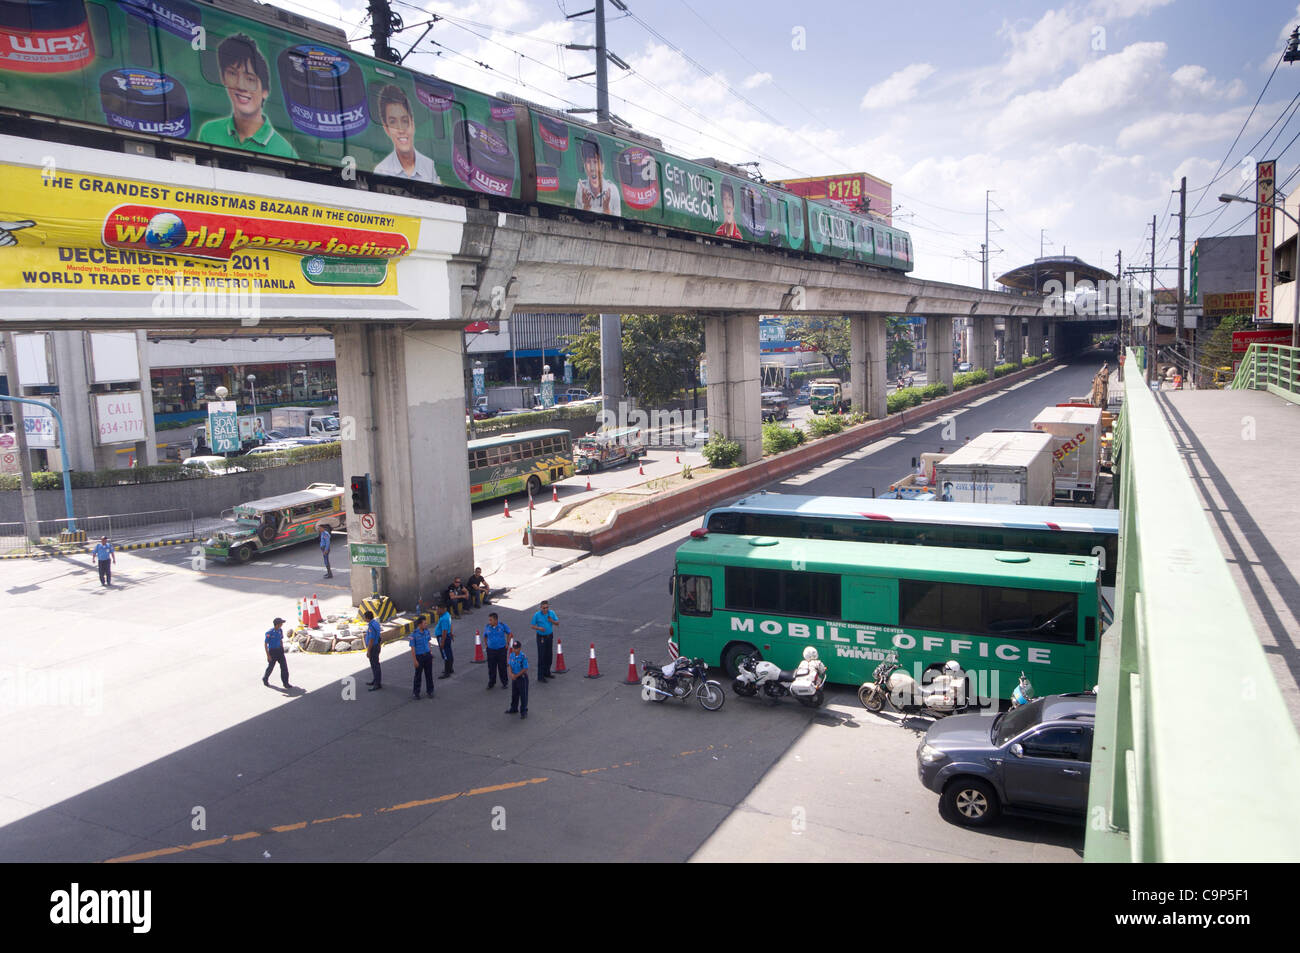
{"x": 278, "y": 521}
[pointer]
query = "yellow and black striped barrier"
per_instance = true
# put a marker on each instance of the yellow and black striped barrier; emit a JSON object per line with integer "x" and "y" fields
{"x": 61, "y": 548}
{"x": 381, "y": 606}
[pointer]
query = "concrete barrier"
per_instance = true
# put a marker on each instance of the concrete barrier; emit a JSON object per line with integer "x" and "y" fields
{"x": 659, "y": 512}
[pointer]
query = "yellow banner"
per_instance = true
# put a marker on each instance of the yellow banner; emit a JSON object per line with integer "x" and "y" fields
{"x": 102, "y": 234}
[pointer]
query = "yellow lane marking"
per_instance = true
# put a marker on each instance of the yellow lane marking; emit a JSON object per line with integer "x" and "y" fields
{"x": 625, "y": 764}
{"x": 301, "y": 825}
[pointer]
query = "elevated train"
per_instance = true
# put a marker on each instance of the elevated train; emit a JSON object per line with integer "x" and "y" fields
{"x": 189, "y": 76}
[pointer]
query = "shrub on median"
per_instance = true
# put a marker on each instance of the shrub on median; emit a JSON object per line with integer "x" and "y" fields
{"x": 826, "y": 425}
{"x": 1002, "y": 370}
{"x": 778, "y": 438}
{"x": 721, "y": 452}
{"x": 931, "y": 391}
{"x": 969, "y": 379}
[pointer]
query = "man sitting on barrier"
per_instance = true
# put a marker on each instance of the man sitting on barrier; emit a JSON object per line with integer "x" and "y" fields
{"x": 457, "y": 597}
{"x": 478, "y": 588}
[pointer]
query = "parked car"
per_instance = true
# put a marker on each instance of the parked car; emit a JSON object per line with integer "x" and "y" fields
{"x": 210, "y": 466}
{"x": 1035, "y": 760}
{"x": 278, "y": 446}
{"x": 964, "y": 367}
{"x": 804, "y": 395}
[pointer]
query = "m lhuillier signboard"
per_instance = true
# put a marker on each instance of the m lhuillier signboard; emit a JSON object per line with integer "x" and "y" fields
{"x": 1264, "y": 172}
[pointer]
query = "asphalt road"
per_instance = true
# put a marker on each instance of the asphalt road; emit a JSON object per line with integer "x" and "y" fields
{"x": 138, "y": 727}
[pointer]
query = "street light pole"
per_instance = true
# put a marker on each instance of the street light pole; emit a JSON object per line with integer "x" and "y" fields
{"x": 1295, "y": 278}
{"x": 252, "y": 386}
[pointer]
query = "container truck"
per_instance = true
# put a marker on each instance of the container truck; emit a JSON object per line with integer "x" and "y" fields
{"x": 1076, "y": 450}
{"x": 999, "y": 467}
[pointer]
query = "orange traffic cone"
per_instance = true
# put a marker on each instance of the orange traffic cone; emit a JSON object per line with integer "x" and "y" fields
{"x": 555, "y": 494}
{"x": 631, "y": 668}
{"x": 641, "y": 469}
{"x": 679, "y": 458}
{"x": 507, "y": 509}
{"x": 478, "y": 648}
{"x": 525, "y": 535}
{"x": 592, "y": 671}
{"x": 313, "y": 613}
{"x": 560, "y": 668}
{"x": 588, "y": 484}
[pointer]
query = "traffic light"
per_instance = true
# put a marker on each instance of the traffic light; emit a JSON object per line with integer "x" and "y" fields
{"x": 361, "y": 494}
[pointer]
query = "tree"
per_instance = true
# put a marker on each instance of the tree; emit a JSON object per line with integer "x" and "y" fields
{"x": 828, "y": 335}
{"x": 898, "y": 339}
{"x": 660, "y": 353}
{"x": 1218, "y": 351}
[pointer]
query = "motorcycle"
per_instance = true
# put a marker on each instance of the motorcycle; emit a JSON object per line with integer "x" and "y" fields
{"x": 681, "y": 678}
{"x": 804, "y": 683}
{"x": 943, "y": 694}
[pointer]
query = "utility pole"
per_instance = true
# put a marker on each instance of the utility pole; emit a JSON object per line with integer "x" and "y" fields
{"x": 30, "y": 516}
{"x": 1182, "y": 254}
{"x": 1121, "y": 298}
{"x": 985, "y": 247}
{"x": 1151, "y": 323}
{"x": 603, "y": 56}
{"x": 383, "y": 24}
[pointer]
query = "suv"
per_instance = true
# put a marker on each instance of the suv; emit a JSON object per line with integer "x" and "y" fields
{"x": 1035, "y": 760}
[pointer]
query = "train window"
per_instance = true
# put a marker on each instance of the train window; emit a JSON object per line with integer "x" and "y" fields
{"x": 100, "y": 30}
{"x": 887, "y": 244}
{"x": 871, "y": 240}
{"x": 139, "y": 42}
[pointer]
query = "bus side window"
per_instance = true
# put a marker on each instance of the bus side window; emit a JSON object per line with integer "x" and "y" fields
{"x": 695, "y": 595}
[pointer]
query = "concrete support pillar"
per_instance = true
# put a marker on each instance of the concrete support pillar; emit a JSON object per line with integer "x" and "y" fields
{"x": 1056, "y": 338}
{"x": 867, "y": 356}
{"x": 403, "y": 391}
{"x": 983, "y": 355}
{"x": 611, "y": 360}
{"x": 71, "y": 374}
{"x": 147, "y": 450}
{"x": 938, "y": 351}
{"x": 1013, "y": 337}
{"x": 732, "y": 350}
{"x": 1036, "y": 336}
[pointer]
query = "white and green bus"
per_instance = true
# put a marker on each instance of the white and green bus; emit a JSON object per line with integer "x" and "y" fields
{"x": 996, "y": 613}
{"x": 517, "y": 462}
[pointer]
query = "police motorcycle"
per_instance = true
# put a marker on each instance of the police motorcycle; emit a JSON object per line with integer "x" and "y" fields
{"x": 681, "y": 678}
{"x": 805, "y": 683}
{"x": 943, "y": 690}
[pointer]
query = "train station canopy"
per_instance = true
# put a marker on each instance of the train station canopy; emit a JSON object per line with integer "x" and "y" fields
{"x": 1065, "y": 269}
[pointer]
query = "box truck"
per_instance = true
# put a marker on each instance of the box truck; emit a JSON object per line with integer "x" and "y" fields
{"x": 999, "y": 467}
{"x": 1076, "y": 450}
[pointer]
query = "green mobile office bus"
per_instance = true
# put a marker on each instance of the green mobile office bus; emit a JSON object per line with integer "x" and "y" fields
{"x": 515, "y": 462}
{"x": 996, "y": 613}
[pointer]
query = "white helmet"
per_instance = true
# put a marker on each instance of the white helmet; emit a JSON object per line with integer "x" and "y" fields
{"x": 951, "y": 667}
{"x": 810, "y": 654}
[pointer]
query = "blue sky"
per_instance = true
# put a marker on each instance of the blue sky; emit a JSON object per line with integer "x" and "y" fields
{"x": 1080, "y": 117}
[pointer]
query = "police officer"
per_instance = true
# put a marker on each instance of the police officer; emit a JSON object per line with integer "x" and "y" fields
{"x": 544, "y": 622}
{"x": 274, "y": 645}
{"x": 497, "y": 638}
{"x": 325, "y": 550}
{"x": 372, "y": 652}
{"x": 422, "y": 656}
{"x": 518, "y": 681}
{"x": 442, "y": 632}
{"x": 105, "y": 557}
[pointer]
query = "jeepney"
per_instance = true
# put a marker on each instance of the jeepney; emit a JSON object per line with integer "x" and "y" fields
{"x": 608, "y": 448}
{"x": 774, "y": 405}
{"x": 275, "y": 522}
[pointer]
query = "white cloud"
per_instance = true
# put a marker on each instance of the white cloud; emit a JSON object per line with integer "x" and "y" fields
{"x": 756, "y": 80}
{"x": 898, "y": 88}
{"x": 1175, "y": 130}
{"x": 1098, "y": 88}
{"x": 1126, "y": 9}
{"x": 1194, "y": 80}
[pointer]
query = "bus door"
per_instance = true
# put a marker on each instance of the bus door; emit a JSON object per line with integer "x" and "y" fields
{"x": 693, "y": 601}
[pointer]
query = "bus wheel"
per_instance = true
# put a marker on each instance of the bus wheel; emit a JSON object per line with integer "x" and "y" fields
{"x": 534, "y": 485}
{"x": 244, "y": 553}
{"x": 732, "y": 656}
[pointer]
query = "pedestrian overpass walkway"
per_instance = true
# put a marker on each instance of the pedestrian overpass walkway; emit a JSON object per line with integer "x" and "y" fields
{"x": 1196, "y": 755}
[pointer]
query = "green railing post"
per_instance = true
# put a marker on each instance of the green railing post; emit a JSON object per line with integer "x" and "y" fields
{"x": 1270, "y": 367}
{"x": 1195, "y": 756}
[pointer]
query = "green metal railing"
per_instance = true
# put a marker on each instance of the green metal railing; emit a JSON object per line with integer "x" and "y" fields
{"x": 1195, "y": 756}
{"x": 1271, "y": 367}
